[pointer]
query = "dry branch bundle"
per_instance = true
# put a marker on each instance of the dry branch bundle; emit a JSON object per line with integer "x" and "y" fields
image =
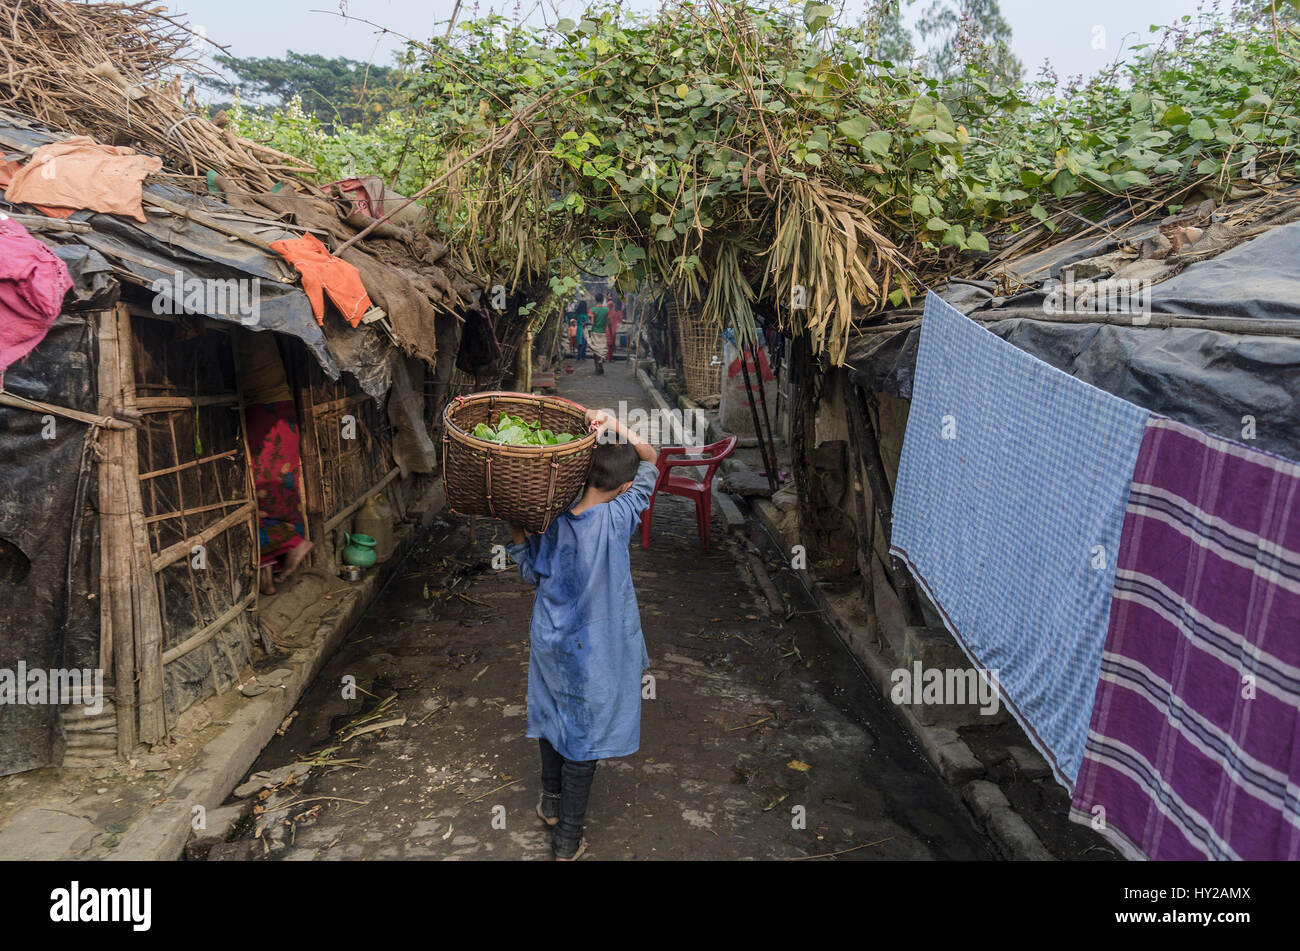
{"x": 116, "y": 72}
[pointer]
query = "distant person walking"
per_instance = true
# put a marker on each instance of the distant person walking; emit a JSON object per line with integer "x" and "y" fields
{"x": 570, "y": 332}
{"x": 598, "y": 341}
{"x": 580, "y": 318}
{"x": 611, "y": 330}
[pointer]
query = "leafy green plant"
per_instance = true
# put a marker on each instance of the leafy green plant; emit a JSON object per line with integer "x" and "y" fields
{"x": 764, "y": 157}
{"x": 397, "y": 146}
{"x": 515, "y": 431}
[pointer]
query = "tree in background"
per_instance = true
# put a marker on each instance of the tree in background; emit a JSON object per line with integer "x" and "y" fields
{"x": 887, "y": 38}
{"x": 969, "y": 32}
{"x": 338, "y": 92}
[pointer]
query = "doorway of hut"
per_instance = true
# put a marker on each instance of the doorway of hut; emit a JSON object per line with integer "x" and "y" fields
{"x": 274, "y": 456}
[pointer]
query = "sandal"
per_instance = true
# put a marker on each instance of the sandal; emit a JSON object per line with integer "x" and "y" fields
{"x": 582, "y": 849}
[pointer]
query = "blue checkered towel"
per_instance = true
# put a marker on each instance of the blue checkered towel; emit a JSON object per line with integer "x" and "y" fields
{"x": 1008, "y": 510}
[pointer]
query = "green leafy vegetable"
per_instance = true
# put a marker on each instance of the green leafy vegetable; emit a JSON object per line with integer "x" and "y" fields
{"x": 515, "y": 431}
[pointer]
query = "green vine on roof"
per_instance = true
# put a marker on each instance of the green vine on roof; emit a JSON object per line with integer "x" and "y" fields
{"x": 759, "y": 156}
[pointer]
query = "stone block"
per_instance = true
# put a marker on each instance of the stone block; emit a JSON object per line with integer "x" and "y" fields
{"x": 926, "y": 650}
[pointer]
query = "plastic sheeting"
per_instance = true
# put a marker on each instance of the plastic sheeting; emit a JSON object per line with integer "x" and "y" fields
{"x": 1242, "y": 387}
{"x": 94, "y": 285}
{"x": 365, "y": 352}
{"x": 48, "y": 617}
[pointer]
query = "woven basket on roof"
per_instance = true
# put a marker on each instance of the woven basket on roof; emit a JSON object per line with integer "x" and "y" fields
{"x": 526, "y": 485}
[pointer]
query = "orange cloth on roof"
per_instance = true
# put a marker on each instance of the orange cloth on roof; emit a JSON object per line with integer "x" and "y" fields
{"x": 80, "y": 173}
{"x": 322, "y": 271}
{"x": 7, "y": 172}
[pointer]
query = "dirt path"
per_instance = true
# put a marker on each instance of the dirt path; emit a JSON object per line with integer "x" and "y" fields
{"x": 756, "y": 720}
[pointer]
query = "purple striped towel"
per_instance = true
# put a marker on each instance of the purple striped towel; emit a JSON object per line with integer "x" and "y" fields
{"x": 1193, "y": 747}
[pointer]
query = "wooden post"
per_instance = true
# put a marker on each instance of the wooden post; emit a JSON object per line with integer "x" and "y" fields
{"x": 115, "y": 558}
{"x": 525, "y": 369}
{"x": 309, "y": 454}
{"x": 146, "y": 616}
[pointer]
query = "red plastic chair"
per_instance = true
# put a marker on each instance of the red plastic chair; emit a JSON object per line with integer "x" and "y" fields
{"x": 698, "y": 489}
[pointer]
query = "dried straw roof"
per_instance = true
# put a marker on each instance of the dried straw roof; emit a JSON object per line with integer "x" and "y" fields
{"x": 113, "y": 72}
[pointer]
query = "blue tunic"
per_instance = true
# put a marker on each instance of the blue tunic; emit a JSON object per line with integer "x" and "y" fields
{"x": 586, "y": 651}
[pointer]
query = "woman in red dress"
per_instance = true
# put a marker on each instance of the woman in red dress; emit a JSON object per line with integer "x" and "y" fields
{"x": 273, "y": 440}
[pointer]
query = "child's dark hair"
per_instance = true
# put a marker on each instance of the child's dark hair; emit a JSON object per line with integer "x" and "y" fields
{"x": 612, "y": 464}
{"x": 600, "y": 298}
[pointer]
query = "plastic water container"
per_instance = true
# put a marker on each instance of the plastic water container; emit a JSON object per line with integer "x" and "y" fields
{"x": 375, "y": 518}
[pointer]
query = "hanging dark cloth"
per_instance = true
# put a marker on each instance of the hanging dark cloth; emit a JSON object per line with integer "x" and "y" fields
{"x": 478, "y": 343}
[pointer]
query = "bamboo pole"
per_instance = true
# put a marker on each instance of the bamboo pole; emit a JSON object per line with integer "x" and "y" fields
{"x": 146, "y": 476}
{"x": 250, "y": 479}
{"x": 768, "y": 464}
{"x": 36, "y": 406}
{"x": 171, "y": 404}
{"x": 174, "y": 553}
{"x": 772, "y": 474}
{"x": 147, "y": 614}
{"x": 207, "y": 221}
{"x": 1227, "y": 325}
{"x": 115, "y": 560}
{"x": 525, "y": 368}
{"x": 194, "y": 510}
{"x": 206, "y": 633}
{"x": 309, "y": 456}
{"x": 334, "y": 406}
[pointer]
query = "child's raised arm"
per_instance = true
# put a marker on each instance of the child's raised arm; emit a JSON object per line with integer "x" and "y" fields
{"x": 598, "y": 419}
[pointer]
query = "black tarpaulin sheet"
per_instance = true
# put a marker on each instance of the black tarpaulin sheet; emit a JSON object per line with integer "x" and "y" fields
{"x": 94, "y": 284}
{"x": 175, "y": 253}
{"x": 48, "y": 548}
{"x": 1239, "y": 386}
{"x": 363, "y": 351}
{"x": 1259, "y": 279}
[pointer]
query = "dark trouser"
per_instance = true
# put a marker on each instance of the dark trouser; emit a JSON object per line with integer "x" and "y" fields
{"x": 582, "y": 349}
{"x": 571, "y": 779}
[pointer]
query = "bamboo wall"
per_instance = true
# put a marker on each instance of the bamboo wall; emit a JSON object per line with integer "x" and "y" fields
{"x": 178, "y": 519}
{"x": 347, "y": 455}
{"x": 169, "y": 538}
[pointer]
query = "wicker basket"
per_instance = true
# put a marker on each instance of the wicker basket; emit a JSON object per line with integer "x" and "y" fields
{"x": 526, "y": 485}
{"x": 701, "y": 362}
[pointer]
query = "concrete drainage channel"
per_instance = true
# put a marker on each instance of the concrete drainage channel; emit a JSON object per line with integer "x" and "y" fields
{"x": 966, "y": 773}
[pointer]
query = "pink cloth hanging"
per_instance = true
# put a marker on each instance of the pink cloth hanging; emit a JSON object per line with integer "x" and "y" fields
{"x": 33, "y": 282}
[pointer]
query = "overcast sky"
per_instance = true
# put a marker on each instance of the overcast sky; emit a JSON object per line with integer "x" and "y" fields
{"x": 1078, "y": 37}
